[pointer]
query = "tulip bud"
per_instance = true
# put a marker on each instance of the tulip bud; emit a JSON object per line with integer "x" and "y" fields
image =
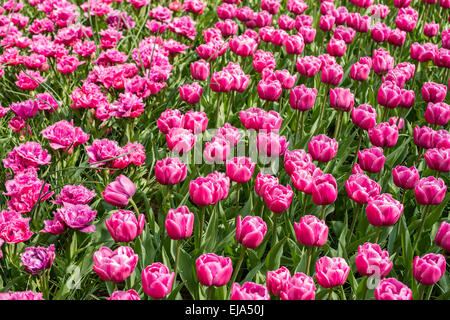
{"x": 200, "y": 70}
{"x": 324, "y": 190}
{"x": 250, "y": 231}
{"x": 372, "y": 159}
{"x": 170, "y": 171}
{"x": 341, "y": 99}
{"x": 302, "y": 98}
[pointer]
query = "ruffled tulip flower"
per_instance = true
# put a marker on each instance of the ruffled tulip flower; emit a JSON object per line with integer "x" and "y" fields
{"x": 331, "y": 272}
{"x": 336, "y": 47}
{"x": 322, "y": 148}
{"x": 332, "y": 74}
{"x": 217, "y": 151}
{"x": 115, "y": 266}
{"x": 433, "y": 92}
{"x": 308, "y": 66}
{"x": 124, "y": 226}
{"x": 262, "y": 181}
{"x": 294, "y": 44}
{"x": 360, "y": 188}
{"x": 119, "y": 192}
{"x": 311, "y": 231}
{"x": 423, "y": 137}
{"x": 269, "y": 90}
{"x": 243, "y": 45}
{"x": 157, "y": 280}
{"x": 277, "y": 280}
{"x": 431, "y": 29}
{"x": 383, "y": 210}
{"x": 296, "y": 159}
{"x": 437, "y": 113}
{"x": 359, "y": 71}
{"x": 364, "y": 116}
{"x": 213, "y": 270}
{"x": 404, "y": 177}
{"x": 180, "y": 140}
{"x": 372, "y": 261}
{"x": 429, "y": 269}
{"x": 299, "y": 287}
{"x": 324, "y": 191}
{"x": 371, "y": 160}
{"x": 442, "y": 238}
{"x": 271, "y": 144}
{"x": 278, "y": 197}
{"x": 392, "y": 289}
{"x": 341, "y": 99}
{"x": 124, "y": 295}
{"x": 249, "y": 291}
{"x": 191, "y": 93}
{"x": 170, "y": 171}
{"x": 430, "y": 191}
{"x": 195, "y": 121}
{"x": 169, "y": 119}
{"x": 38, "y": 259}
{"x": 383, "y": 135}
{"x": 438, "y": 159}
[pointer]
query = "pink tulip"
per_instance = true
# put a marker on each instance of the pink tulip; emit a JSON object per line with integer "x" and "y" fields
{"x": 396, "y": 37}
{"x": 124, "y": 295}
{"x": 227, "y": 11}
{"x": 382, "y": 61}
{"x": 371, "y": 160}
{"x": 359, "y": 71}
{"x": 221, "y": 81}
{"x": 303, "y": 179}
{"x": 124, "y": 227}
{"x": 437, "y": 113}
{"x": 438, "y": 159}
{"x": 285, "y": 78}
{"x": 269, "y": 90}
{"x": 336, "y": 47}
{"x": 278, "y": 197}
{"x": 364, "y": 116}
{"x": 379, "y": 32}
{"x": 423, "y": 137}
{"x": 271, "y": 144}
{"x": 119, "y": 192}
{"x": 431, "y": 29}
{"x": 383, "y": 210}
{"x": 240, "y": 169}
{"x": 243, "y": 45}
{"x": 345, "y": 34}
{"x": 389, "y": 95}
{"x": 442, "y": 238}
{"x": 170, "y": 171}
{"x": 285, "y": 22}
{"x": 406, "y": 178}
{"x": 179, "y": 223}
{"x": 308, "y": 33}
{"x": 331, "y": 272}
{"x": 311, "y": 231}
{"x": 229, "y": 134}
{"x": 191, "y": 93}
{"x": 157, "y": 280}
{"x": 429, "y": 269}
{"x": 250, "y": 231}
{"x": 200, "y": 70}
{"x": 249, "y": 291}
{"x": 433, "y": 92}
{"x": 308, "y": 66}
{"x": 277, "y": 280}
{"x": 217, "y": 151}
{"x": 392, "y": 289}
{"x": 408, "y": 98}
{"x": 322, "y": 148}
{"x": 372, "y": 261}
{"x": 295, "y": 44}
{"x": 341, "y": 99}
{"x": 383, "y": 135}
{"x": 302, "y": 98}
{"x": 213, "y": 270}
{"x": 203, "y": 191}
{"x": 170, "y": 119}
{"x": 115, "y": 266}
{"x": 430, "y": 191}
{"x": 326, "y": 22}
{"x": 423, "y": 52}
{"x": 360, "y": 188}
{"x": 332, "y": 74}
{"x": 324, "y": 190}
{"x": 180, "y": 140}
{"x": 196, "y": 121}
{"x": 299, "y": 287}
{"x": 262, "y": 181}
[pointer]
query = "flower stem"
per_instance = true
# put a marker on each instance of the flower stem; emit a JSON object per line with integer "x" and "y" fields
{"x": 322, "y": 215}
{"x": 377, "y": 234}
{"x": 237, "y": 198}
{"x": 238, "y": 266}
{"x": 425, "y": 213}
{"x": 210, "y": 292}
{"x": 274, "y": 232}
{"x": 308, "y": 265}
{"x": 177, "y": 253}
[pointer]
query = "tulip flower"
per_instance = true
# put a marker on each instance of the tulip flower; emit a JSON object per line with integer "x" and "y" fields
{"x": 331, "y": 272}
{"x": 371, "y": 160}
{"x": 299, "y": 287}
{"x": 406, "y": 178}
{"x": 250, "y": 231}
{"x": 383, "y": 210}
{"x": 170, "y": 171}
{"x": 200, "y": 70}
{"x": 442, "y": 238}
{"x": 213, "y": 270}
{"x": 372, "y": 261}
{"x": 277, "y": 280}
{"x": 191, "y": 93}
{"x": 429, "y": 269}
{"x": 119, "y": 192}
{"x": 249, "y": 291}
{"x": 383, "y": 135}
{"x": 124, "y": 227}
{"x": 324, "y": 191}
{"x": 322, "y": 148}
{"x": 115, "y": 265}
{"x": 157, "y": 280}
{"x": 437, "y": 113}
{"x": 392, "y": 289}
{"x": 438, "y": 159}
